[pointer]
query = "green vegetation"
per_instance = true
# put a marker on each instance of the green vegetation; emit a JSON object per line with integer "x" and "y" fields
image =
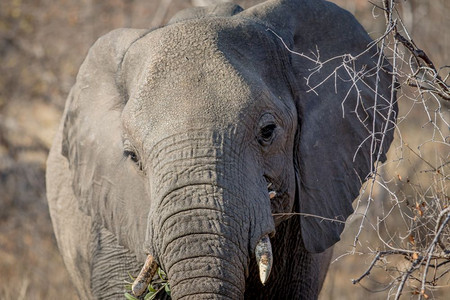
{"x": 153, "y": 289}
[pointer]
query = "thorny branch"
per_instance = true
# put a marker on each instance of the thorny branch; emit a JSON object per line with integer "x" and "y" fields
{"x": 418, "y": 207}
{"x": 423, "y": 65}
{"x": 424, "y": 239}
{"x": 412, "y": 213}
{"x": 417, "y": 260}
{"x": 310, "y": 216}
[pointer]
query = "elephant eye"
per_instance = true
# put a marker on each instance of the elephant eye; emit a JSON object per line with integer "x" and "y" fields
{"x": 133, "y": 156}
{"x": 267, "y": 129}
{"x": 130, "y": 153}
{"x": 266, "y": 134}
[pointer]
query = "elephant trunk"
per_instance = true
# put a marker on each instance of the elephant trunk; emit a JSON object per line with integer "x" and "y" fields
{"x": 203, "y": 245}
{"x": 204, "y": 277}
{"x": 211, "y": 210}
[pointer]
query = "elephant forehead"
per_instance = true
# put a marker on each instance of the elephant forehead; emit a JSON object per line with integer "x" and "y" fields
{"x": 201, "y": 42}
{"x": 186, "y": 79}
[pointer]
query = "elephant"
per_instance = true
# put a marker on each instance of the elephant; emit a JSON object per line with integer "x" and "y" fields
{"x": 225, "y": 148}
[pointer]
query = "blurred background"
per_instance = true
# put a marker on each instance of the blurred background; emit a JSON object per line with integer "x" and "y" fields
{"x": 43, "y": 43}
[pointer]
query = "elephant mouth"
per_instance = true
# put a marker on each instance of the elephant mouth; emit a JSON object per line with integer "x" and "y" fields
{"x": 278, "y": 195}
{"x": 272, "y": 192}
{"x": 272, "y": 189}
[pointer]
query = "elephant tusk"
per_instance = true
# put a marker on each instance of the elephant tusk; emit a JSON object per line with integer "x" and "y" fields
{"x": 263, "y": 253}
{"x": 145, "y": 276}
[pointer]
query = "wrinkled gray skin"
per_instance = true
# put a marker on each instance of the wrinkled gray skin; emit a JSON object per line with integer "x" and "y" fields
{"x": 171, "y": 136}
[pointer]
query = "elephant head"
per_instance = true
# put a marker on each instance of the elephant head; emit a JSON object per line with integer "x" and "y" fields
{"x": 197, "y": 141}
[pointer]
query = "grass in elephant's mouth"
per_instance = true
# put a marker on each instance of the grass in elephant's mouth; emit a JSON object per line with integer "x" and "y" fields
{"x": 153, "y": 289}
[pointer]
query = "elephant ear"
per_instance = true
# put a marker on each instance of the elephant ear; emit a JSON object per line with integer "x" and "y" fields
{"x": 346, "y": 109}
{"x": 92, "y": 142}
